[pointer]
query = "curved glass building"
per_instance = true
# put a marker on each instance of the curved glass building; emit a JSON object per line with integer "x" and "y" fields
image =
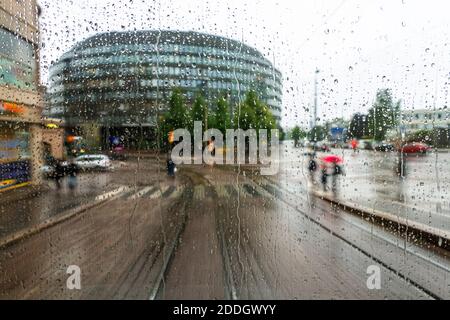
{"x": 121, "y": 79}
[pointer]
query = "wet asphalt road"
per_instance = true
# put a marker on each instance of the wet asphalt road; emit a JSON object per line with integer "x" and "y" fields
{"x": 211, "y": 233}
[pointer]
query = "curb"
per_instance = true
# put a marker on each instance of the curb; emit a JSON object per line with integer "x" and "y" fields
{"x": 441, "y": 237}
{"x": 9, "y": 240}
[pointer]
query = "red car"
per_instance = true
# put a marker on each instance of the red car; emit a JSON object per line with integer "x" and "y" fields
{"x": 415, "y": 147}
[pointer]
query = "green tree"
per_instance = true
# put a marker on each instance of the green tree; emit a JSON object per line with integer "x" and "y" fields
{"x": 253, "y": 113}
{"x": 244, "y": 117}
{"x": 357, "y": 126}
{"x": 199, "y": 112}
{"x": 297, "y": 134}
{"x": 263, "y": 117}
{"x": 178, "y": 116}
{"x": 317, "y": 133}
{"x": 383, "y": 116}
{"x": 222, "y": 119}
{"x": 282, "y": 133}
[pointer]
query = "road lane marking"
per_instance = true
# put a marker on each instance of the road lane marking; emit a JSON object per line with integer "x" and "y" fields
{"x": 221, "y": 191}
{"x": 159, "y": 192}
{"x": 140, "y": 193}
{"x": 110, "y": 194}
{"x": 251, "y": 190}
{"x": 199, "y": 192}
{"x": 178, "y": 191}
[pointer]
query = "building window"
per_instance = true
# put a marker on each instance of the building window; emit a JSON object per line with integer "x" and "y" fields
{"x": 17, "y": 62}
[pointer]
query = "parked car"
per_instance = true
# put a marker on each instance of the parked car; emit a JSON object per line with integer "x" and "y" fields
{"x": 321, "y": 146}
{"x": 384, "y": 147}
{"x": 325, "y": 148}
{"x": 93, "y": 162}
{"x": 365, "y": 144}
{"x": 415, "y": 147}
{"x": 118, "y": 153}
{"x": 308, "y": 144}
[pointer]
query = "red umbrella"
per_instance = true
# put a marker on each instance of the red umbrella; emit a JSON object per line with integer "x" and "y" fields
{"x": 332, "y": 159}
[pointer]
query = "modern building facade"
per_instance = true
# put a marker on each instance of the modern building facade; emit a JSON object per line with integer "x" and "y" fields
{"x": 425, "y": 119}
{"x": 20, "y": 95}
{"x": 119, "y": 81}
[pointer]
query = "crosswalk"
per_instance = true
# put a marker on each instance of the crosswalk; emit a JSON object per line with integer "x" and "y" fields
{"x": 159, "y": 192}
{"x": 198, "y": 192}
{"x": 140, "y": 193}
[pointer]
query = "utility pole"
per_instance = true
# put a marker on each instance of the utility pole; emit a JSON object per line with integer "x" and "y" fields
{"x": 314, "y": 120}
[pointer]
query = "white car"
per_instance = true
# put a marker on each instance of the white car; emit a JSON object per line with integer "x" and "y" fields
{"x": 93, "y": 161}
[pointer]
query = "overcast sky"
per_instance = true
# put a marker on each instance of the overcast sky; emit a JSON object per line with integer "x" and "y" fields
{"x": 358, "y": 46}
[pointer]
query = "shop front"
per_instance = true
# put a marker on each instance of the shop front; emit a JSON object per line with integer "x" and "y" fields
{"x": 15, "y": 151}
{"x": 15, "y": 155}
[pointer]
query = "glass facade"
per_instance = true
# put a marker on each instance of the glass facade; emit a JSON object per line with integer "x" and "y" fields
{"x": 123, "y": 77}
{"x": 17, "y": 62}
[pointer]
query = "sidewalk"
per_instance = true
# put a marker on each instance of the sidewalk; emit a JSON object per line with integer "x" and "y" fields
{"x": 422, "y": 196}
{"x": 26, "y": 211}
{"x": 420, "y": 200}
{"x": 21, "y": 193}
{"x": 29, "y": 206}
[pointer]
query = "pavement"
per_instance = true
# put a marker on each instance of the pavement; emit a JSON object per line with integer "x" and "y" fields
{"x": 27, "y": 210}
{"x": 370, "y": 184}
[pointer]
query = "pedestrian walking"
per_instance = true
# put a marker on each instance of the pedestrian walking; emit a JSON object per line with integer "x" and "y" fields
{"x": 337, "y": 170}
{"x": 59, "y": 172}
{"x": 312, "y": 167}
{"x": 72, "y": 173}
{"x": 401, "y": 165}
{"x": 171, "y": 168}
{"x": 324, "y": 178}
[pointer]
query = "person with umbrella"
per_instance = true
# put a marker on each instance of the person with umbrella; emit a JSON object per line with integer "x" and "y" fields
{"x": 336, "y": 170}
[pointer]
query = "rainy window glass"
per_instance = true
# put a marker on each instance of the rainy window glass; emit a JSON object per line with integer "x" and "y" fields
{"x": 224, "y": 149}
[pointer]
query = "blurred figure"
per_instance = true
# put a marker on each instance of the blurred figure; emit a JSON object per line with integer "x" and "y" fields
{"x": 72, "y": 172}
{"x": 324, "y": 178}
{"x": 211, "y": 146}
{"x": 312, "y": 166}
{"x": 354, "y": 144}
{"x": 401, "y": 165}
{"x": 337, "y": 170}
{"x": 59, "y": 173}
{"x": 331, "y": 163}
{"x": 171, "y": 168}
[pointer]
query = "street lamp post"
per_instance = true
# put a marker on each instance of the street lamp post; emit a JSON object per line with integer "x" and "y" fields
{"x": 315, "y": 97}
{"x": 314, "y": 119}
